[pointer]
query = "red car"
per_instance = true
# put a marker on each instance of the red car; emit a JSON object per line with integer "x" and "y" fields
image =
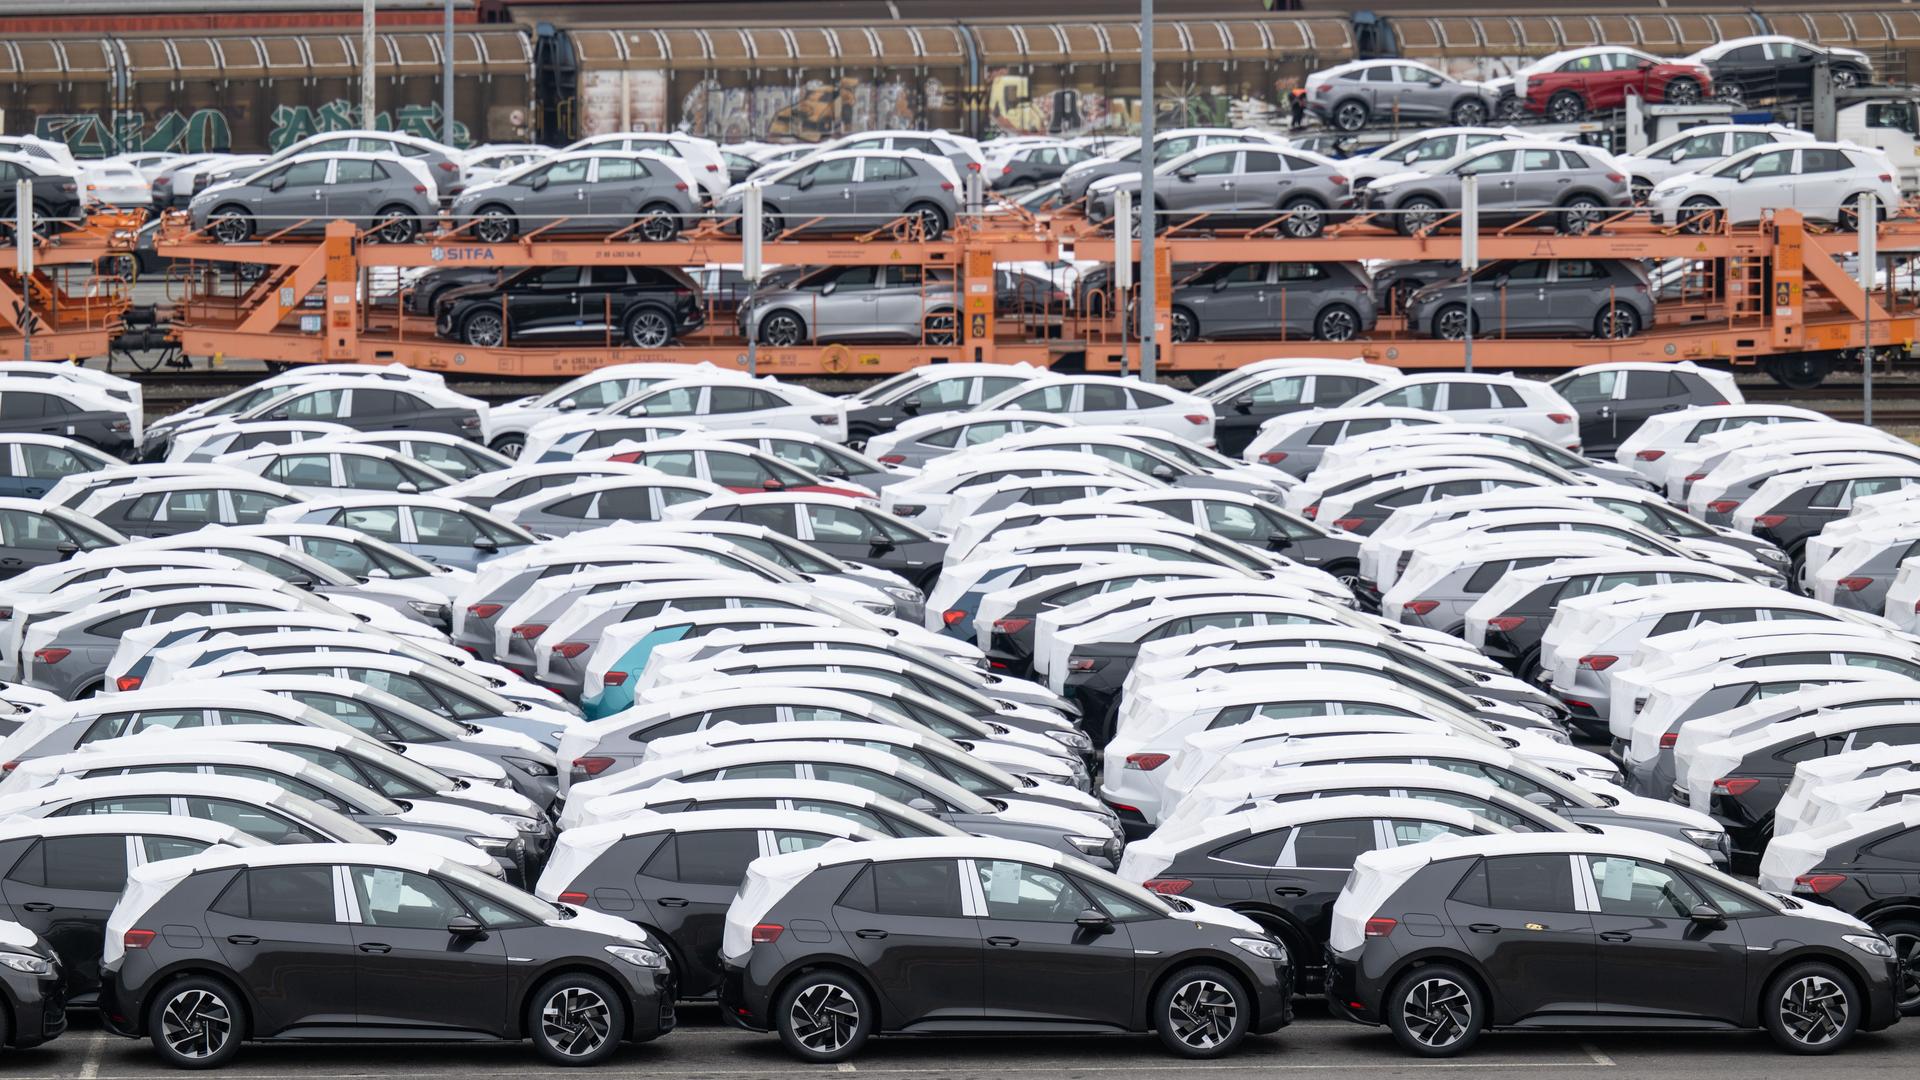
{"x": 733, "y": 467}
{"x": 1570, "y": 86}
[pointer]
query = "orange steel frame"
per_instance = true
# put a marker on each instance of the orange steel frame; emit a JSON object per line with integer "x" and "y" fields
{"x": 1813, "y": 305}
{"x": 73, "y": 298}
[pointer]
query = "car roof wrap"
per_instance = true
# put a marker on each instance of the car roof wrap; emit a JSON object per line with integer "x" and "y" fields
{"x": 578, "y": 848}
{"x": 1147, "y": 858}
{"x": 1787, "y": 857}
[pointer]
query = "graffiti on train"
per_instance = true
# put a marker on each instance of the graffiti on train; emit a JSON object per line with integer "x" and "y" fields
{"x": 91, "y": 135}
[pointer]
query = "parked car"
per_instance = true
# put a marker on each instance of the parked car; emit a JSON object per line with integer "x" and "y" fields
{"x": 1696, "y": 147}
{"x": 630, "y": 195}
{"x": 392, "y": 198}
{"x": 855, "y": 303}
{"x": 842, "y": 191}
{"x": 1604, "y": 298}
{"x": 1393, "y": 92}
{"x": 641, "y": 307}
{"x": 1569, "y": 188}
{"x": 1601, "y": 78}
{"x": 1824, "y": 181}
{"x": 1615, "y": 399}
{"x": 1775, "y": 66}
{"x": 1231, "y": 184}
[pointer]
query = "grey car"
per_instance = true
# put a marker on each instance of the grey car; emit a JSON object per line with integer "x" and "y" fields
{"x": 1166, "y": 146}
{"x": 914, "y": 445}
{"x": 306, "y": 192}
{"x": 1326, "y": 301}
{"x": 1239, "y": 183}
{"x": 638, "y": 197}
{"x": 1352, "y": 96}
{"x": 897, "y": 302}
{"x": 589, "y": 504}
{"x": 439, "y": 530}
{"x": 856, "y": 191}
{"x": 1570, "y": 188}
{"x": 1299, "y": 452}
{"x": 1607, "y": 298}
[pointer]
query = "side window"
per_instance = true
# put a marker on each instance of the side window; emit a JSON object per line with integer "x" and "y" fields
{"x": 1520, "y": 883}
{"x": 160, "y": 848}
{"x": 1260, "y": 849}
{"x": 1633, "y": 887}
{"x": 1468, "y": 396}
{"x": 290, "y": 893}
{"x": 84, "y": 863}
{"x": 302, "y": 470}
{"x": 380, "y": 522}
{"x": 256, "y": 821}
{"x": 924, "y": 887}
{"x": 1901, "y": 847}
{"x": 717, "y": 858}
{"x": 403, "y": 899}
{"x": 1330, "y": 845}
{"x": 1028, "y": 893}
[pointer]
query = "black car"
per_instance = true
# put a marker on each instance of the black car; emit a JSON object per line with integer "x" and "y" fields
{"x": 644, "y": 307}
{"x": 971, "y": 935}
{"x": 1241, "y": 404}
{"x": 1869, "y": 868}
{"x": 56, "y": 197}
{"x": 1513, "y": 636}
{"x": 1031, "y": 166}
{"x": 843, "y": 528}
{"x": 34, "y": 533}
{"x": 53, "y": 407}
{"x": 423, "y": 296}
{"x": 1257, "y": 523}
{"x": 1750, "y": 69}
{"x": 366, "y": 404}
{"x": 32, "y": 988}
{"x": 924, "y": 391}
{"x": 673, "y": 875}
{"x": 1816, "y": 496}
{"x": 1444, "y": 941}
{"x": 1282, "y": 864}
{"x": 1615, "y": 399}
{"x": 345, "y": 942}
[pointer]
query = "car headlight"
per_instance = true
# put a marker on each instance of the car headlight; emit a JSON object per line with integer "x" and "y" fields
{"x": 637, "y": 956}
{"x": 428, "y": 610}
{"x": 1073, "y": 740}
{"x": 1706, "y": 838}
{"x": 905, "y": 594}
{"x": 1773, "y": 555}
{"x": 1090, "y": 845}
{"x": 524, "y": 824}
{"x": 1871, "y": 944}
{"x": 531, "y": 767}
{"x": 491, "y": 843}
{"x": 874, "y": 606}
{"x": 1554, "y": 735}
{"x": 31, "y": 964}
{"x": 1262, "y": 948}
{"x": 1600, "y": 774}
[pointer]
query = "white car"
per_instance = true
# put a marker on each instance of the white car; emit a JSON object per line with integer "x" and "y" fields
{"x": 114, "y": 185}
{"x": 1822, "y": 180}
{"x": 1106, "y": 399}
{"x": 1698, "y": 148}
{"x": 1839, "y": 770}
{"x": 586, "y": 395}
{"x": 725, "y": 403}
{"x": 323, "y": 466}
{"x": 1430, "y": 148}
{"x": 703, "y": 163}
{"x": 1646, "y": 451}
{"x": 480, "y": 164}
{"x": 1527, "y": 404}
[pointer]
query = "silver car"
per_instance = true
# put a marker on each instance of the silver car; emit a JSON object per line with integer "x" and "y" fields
{"x": 635, "y": 195}
{"x": 1352, "y": 96}
{"x": 898, "y": 302}
{"x": 1607, "y": 298}
{"x": 1238, "y": 183}
{"x": 1326, "y": 301}
{"x": 1075, "y": 182}
{"x": 1571, "y": 188}
{"x": 302, "y": 194}
{"x": 855, "y": 191}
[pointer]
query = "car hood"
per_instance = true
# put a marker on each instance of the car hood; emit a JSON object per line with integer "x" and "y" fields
{"x": 1216, "y": 916}
{"x": 456, "y": 293}
{"x": 1401, "y": 177}
{"x": 599, "y": 922}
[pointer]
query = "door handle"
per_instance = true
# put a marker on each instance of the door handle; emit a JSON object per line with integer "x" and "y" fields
{"x": 1615, "y": 935}
{"x": 375, "y": 947}
{"x": 37, "y": 905}
{"x": 870, "y": 935}
{"x": 1288, "y": 890}
{"x": 1484, "y": 928}
{"x": 242, "y": 939}
{"x": 672, "y": 901}
{"x": 1003, "y": 942}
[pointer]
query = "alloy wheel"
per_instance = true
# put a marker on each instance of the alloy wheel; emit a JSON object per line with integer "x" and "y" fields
{"x": 940, "y": 329}
{"x": 1304, "y": 220}
{"x": 196, "y": 1024}
{"x": 1181, "y": 326}
{"x": 1469, "y": 114}
{"x": 1417, "y": 215}
{"x": 1437, "y": 1012}
{"x": 396, "y": 228}
{"x": 1202, "y": 1014}
{"x": 649, "y": 329}
{"x": 1581, "y": 216}
{"x": 1338, "y": 324}
{"x": 1813, "y": 1010}
{"x": 658, "y": 227}
{"x": 824, "y": 1018}
{"x": 932, "y": 223}
{"x": 1451, "y": 324}
{"x": 232, "y": 228}
{"x": 1565, "y": 108}
{"x": 1683, "y": 92}
{"x": 782, "y": 330}
{"x": 483, "y": 329}
{"x": 1906, "y": 988}
{"x": 576, "y": 1021}
{"x": 1351, "y": 116}
{"x": 494, "y": 227}
{"x": 1618, "y": 322}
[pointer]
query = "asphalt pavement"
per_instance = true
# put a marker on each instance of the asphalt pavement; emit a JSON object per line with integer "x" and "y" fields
{"x": 1314, "y": 1045}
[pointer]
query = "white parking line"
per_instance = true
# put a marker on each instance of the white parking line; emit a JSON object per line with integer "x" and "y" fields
{"x": 1598, "y": 1057}
{"x": 90, "y": 1064}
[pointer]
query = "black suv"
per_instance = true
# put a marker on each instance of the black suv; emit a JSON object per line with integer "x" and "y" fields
{"x": 55, "y": 197}
{"x": 643, "y": 307}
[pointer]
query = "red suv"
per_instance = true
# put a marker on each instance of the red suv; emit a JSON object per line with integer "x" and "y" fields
{"x": 1568, "y": 87}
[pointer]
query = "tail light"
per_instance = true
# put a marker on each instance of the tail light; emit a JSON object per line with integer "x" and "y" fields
{"x": 593, "y": 766}
{"x": 1560, "y": 418}
{"x": 1724, "y": 506}
{"x": 1578, "y": 704}
{"x": 570, "y": 649}
{"x": 127, "y": 682}
{"x": 1734, "y": 785}
{"x": 713, "y": 168}
{"x": 1695, "y": 477}
{"x": 1196, "y": 418}
{"x": 1337, "y": 180}
{"x": 469, "y": 423}
{"x": 419, "y": 189}
{"x": 893, "y": 459}
{"x": 1145, "y": 762}
{"x": 1323, "y": 89}
{"x": 1010, "y": 626}
{"x": 1855, "y": 584}
{"x": 952, "y": 616}
{"x": 1273, "y": 457}
{"x": 973, "y": 165}
{"x": 678, "y": 186}
{"x": 570, "y": 897}
{"x": 614, "y": 678}
{"x": 1422, "y": 607}
{"x": 1504, "y": 623}
{"x": 1886, "y": 178}
{"x": 1668, "y": 740}
{"x": 137, "y": 939}
{"x": 1598, "y": 663}
{"x": 944, "y": 186}
{"x": 1768, "y": 521}
{"x": 1348, "y": 523}
{"x": 1616, "y": 178}
{"x": 1311, "y": 512}
{"x": 50, "y": 656}
{"x": 446, "y": 166}
{"x": 120, "y": 427}
{"x": 530, "y": 630}
{"x": 1167, "y": 886}
{"x": 1650, "y": 455}
{"x": 10, "y": 766}
{"x": 1079, "y": 664}
{"x": 767, "y": 933}
{"x": 1005, "y": 169}
{"x": 1818, "y": 884}
{"x": 1381, "y": 926}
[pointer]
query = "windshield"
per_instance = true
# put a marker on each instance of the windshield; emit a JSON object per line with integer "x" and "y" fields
{"x": 884, "y": 387}
{"x": 329, "y": 823}
{"x": 499, "y": 892}
{"x": 793, "y": 557}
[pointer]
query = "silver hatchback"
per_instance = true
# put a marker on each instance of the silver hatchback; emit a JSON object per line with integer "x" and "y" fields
{"x": 639, "y": 197}
{"x": 304, "y": 193}
{"x": 895, "y": 302}
{"x": 1607, "y": 298}
{"x": 1571, "y": 188}
{"x": 1352, "y": 96}
{"x": 1239, "y": 183}
{"x": 855, "y": 191}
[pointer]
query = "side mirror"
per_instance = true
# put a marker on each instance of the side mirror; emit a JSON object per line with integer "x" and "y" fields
{"x": 1412, "y": 156}
{"x": 772, "y": 484}
{"x": 638, "y": 410}
{"x": 1500, "y": 282}
{"x": 1097, "y": 921}
{"x": 1745, "y": 175}
{"x": 1706, "y": 915}
{"x": 67, "y": 548}
{"x": 880, "y": 544}
{"x": 1436, "y": 81}
{"x": 910, "y": 407}
{"x": 1540, "y": 798}
{"x": 407, "y": 487}
{"x": 1220, "y": 286}
{"x": 277, "y": 414}
{"x": 485, "y": 543}
{"x": 1185, "y": 174}
{"x": 804, "y": 182}
{"x": 537, "y": 182}
{"x": 568, "y": 405}
{"x": 277, "y": 182}
{"x": 1163, "y": 472}
{"x": 465, "y": 926}
{"x": 924, "y": 805}
{"x": 1644, "y": 65}
{"x": 1243, "y": 403}
{"x": 376, "y": 573}
{"x": 1678, "y": 155}
{"x": 828, "y": 288}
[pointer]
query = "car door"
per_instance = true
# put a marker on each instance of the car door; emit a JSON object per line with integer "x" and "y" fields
{"x": 1519, "y": 299}
{"x": 295, "y": 195}
{"x": 847, "y": 305}
{"x": 612, "y": 195}
{"x": 900, "y": 299}
{"x": 556, "y": 192}
{"x": 1314, "y": 862}
{"x": 1377, "y": 85}
{"x": 1236, "y": 304}
{"x": 32, "y": 412}
{"x": 684, "y": 888}
{"x": 1041, "y": 965}
{"x": 1499, "y": 180}
{"x": 840, "y": 530}
{"x": 546, "y": 306}
{"x": 881, "y": 188}
{"x": 1821, "y": 180}
{"x": 356, "y": 189}
{"x": 411, "y": 969}
{"x": 1423, "y": 94}
{"x": 1263, "y": 183}
{"x": 63, "y": 888}
{"x": 1761, "y": 183}
{"x": 1575, "y": 293}
{"x": 1203, "y": 185}
{"x": 823, "y": 189}
{"x": 904, "y": 922}
{"x": 1542, "y": 180}
{"x": 28, "y": 540}
{"x": 1653, "y": 959}
{"x": 1643, "y": 394}
{"x": 1299, "y": 289}
{"x": 1519, "y": 917}
{"x": 274, "y": 925}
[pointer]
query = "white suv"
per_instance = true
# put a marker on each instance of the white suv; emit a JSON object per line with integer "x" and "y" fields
{"x": 1822, "y": 180}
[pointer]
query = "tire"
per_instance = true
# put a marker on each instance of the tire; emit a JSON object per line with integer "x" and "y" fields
{"x": 1350, "y": 115}
{"x": 1802, "y": 372}
{"x": 1616, "y": 321}
{"x": 494, "y": 225}
{"x": 858, "y": 435}
{"x": 1682, "y": 92}
{"x": 770, "y": 225}
{"x": 483, "y": 329}
{"x": 1306, "y": 218}
{"x": 1699, "y": 215}
{"x": 1844, "y": 78}
{"x": 939, "y": 329}
{"x": 1581, "y": 215}
{"x": 1469, "y": 112}
{"x": 1346, "y": 572}
{"x": 396, "y": 225}
{"x": 1638, "y": 188}
{"x": 823, "y": 1016}
{"x": 196, "y": 1023}
{"x": 508, "y": 445}
{"x": 1566, "y": 107}
{"x": 576, "y": 1019}
{"x": 1336, "y": 322}
{"x": 649, "y": 327}
{"x": 230, "y": 225}
{"x": 1450, "y": 323}
{"x": 1201, "y": 1012}
{"x": 1727, "y": 93}
{"x": 1509, "y": 108}
{"x": 783, "y": 329}
{"x": 932, "y": 219}
{"x": 1417, "y": 213}
{"x": 658, "y": 224}
{"x": 1904, "y": 935}
{"x": 1849, "y": 218}
{"x": 1436, "y": 1011}
{"x": 1811, "y": 1008}
{"x": 1182, "y": 326}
